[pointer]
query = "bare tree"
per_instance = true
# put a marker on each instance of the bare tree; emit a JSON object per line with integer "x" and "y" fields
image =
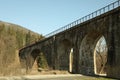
{"x": 101, "y": 55}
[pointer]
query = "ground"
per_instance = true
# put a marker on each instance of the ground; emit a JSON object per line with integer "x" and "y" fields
{"x": 54, "y": 77}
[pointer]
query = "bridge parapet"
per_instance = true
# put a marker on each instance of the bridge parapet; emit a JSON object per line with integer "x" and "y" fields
{"x": 86, "y": 18}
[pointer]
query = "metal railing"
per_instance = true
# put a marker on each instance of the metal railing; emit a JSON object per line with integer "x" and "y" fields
{"x": 85, "y": 18}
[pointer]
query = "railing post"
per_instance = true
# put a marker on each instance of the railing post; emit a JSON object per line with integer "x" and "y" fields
{"x": 104, "y": 10}
{"x": 118, "y": 2}
{"x": 96, "y": 13}
{"x": 108, "y": 7}
{"x": 100, "y": 11}
{"x": 80, "y": 21}
{"x": 92, "y": 15}
{"x": 89, "y": 16}
{"x": 113, "y": 5}
{"x": 83, "y": 19}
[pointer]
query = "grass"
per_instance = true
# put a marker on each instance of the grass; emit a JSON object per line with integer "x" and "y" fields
{"x": 93, "y": 78}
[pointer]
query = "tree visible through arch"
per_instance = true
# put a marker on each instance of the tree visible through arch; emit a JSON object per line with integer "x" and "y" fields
{"x": 100, "y": 57}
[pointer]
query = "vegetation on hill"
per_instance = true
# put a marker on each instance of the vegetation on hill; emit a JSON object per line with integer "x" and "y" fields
{"x": 12, "y": 38}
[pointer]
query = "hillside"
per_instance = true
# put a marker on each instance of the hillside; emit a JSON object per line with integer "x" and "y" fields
{"x": 12, "y": 38}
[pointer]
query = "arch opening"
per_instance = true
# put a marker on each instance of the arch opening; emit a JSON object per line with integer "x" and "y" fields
{"x": 42, "y": 61}
{"x": 37, "y": 61}
{"x": 32, "y": 64}
{"x": 100, "y": 56}
{"x": 71, "y": 60}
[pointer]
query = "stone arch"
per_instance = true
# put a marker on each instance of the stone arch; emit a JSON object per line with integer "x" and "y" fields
{"x": 86, "y": 52}
{"x": 65, "y": 52}
{"x": 31, "y": 59}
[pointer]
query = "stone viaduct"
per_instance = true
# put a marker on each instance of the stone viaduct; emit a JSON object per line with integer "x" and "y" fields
{"x": 79, "y": 39}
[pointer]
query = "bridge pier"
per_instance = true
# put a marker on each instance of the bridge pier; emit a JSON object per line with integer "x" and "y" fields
{"x": 114, "y": 47}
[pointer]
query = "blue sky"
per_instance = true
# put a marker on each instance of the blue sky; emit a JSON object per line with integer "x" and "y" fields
{"x": 45, "y": 16}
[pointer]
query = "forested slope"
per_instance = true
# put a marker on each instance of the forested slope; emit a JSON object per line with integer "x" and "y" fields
{"x": 12, "y": 38}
